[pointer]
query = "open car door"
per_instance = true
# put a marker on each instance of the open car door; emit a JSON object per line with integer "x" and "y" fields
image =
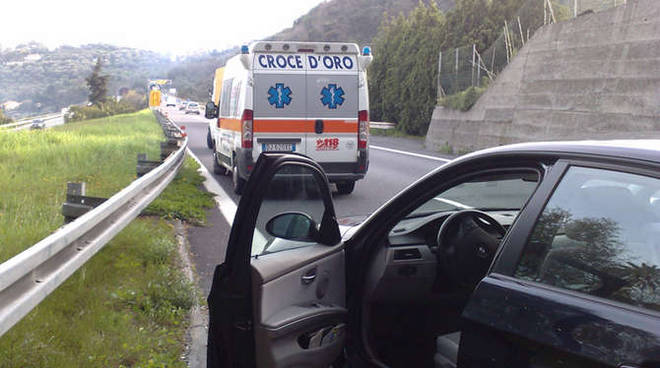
{"x": 278, "y": 300}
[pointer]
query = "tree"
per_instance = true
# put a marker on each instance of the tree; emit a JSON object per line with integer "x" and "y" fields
{"x": 4, "y": 119}
{"x": 98, "y": 84}
{"x": 402, "y": 79}
{"x": 403, "y": 75}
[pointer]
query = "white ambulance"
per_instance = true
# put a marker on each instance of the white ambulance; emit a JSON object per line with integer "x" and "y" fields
{"x": 304, "y": 97}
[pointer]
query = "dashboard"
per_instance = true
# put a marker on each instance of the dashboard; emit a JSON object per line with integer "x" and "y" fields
{"x": 405, "y": 268}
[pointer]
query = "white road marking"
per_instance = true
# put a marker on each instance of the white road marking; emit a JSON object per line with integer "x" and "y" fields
{"x": 225, "y": 203}
{"x": 409, "y": 153}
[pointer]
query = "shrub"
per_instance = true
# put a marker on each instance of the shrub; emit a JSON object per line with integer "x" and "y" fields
{"x": 132, "y": 102}
{"x": 464, "y": 100}
{"x": 4, "y": 119}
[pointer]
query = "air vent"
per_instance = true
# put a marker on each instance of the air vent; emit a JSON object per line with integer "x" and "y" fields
{"x": 405, "y": 254}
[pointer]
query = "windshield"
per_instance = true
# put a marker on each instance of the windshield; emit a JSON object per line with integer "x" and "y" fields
{"x": 508, "y": 192}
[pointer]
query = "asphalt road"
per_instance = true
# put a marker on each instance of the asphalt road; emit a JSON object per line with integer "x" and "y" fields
{"x": 51, "y": 121}
{"x": 394, "y": 164}
{"x": 389, "y": 171}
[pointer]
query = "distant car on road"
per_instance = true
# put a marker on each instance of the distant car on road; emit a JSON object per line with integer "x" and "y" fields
{"x": 38, "y": 124}
{"x": 192, "y": 108}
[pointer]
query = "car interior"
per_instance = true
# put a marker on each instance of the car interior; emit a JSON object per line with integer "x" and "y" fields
{"x": 424, "y": 272}
{"x": 418, "y": 281}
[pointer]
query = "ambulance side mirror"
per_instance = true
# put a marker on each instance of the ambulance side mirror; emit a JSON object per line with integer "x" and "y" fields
{"x": 211, "y": 110}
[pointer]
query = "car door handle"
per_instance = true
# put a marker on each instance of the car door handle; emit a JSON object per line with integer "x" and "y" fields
{"x": 309, "y": 277}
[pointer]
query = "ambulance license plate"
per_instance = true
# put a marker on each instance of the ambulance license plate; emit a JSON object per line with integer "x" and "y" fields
{"x": 278, "y": 147}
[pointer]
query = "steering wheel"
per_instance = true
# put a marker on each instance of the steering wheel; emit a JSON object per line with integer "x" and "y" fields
{"x": 467, "y": 242}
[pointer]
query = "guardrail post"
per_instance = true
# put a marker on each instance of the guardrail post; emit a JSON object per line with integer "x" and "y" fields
{"x": 77, "y": 204}
{"x": 167, "y": 147}
{"x": 144, "y": 165}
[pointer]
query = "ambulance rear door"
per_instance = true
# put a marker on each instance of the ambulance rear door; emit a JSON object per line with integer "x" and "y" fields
{"x": 280, "y": 103}
{"x": 332, "y": 107}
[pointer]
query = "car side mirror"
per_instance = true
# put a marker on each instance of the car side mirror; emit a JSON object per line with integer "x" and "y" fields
{"x": 211, "y": 110}
{"x": 293, "y": 226}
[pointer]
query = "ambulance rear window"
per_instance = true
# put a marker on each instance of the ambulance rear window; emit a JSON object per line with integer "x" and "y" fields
{"x": 225, "y": 102}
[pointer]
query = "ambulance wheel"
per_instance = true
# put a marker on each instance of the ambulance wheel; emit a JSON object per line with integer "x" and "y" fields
{"x": 237, "y": 180}
{"x": 346, "y": 187}
{"x": 217, "y": 168}
{"x": 209, "y": 140}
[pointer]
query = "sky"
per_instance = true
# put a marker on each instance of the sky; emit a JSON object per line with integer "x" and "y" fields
{"x": 169, "y": 27}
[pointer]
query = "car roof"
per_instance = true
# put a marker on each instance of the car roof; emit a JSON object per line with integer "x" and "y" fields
{"x": 639, "y": 149}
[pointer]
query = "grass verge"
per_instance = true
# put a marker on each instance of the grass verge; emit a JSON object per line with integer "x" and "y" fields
{"x": 128, "y": 306}
{"x": 183, "y": 199}
{"x": 37, "y": 164}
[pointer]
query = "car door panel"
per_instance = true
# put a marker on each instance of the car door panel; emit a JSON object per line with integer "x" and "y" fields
{"x": 582, "y": 329}
{"x": 279, "y": 298}
{"x": 527, "y": 323}
{"x": 289, "y": 309}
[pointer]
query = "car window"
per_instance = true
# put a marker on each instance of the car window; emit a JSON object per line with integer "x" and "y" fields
{"x": 599, "y": 234}
{"x": 502, "y": 191}
{"x": 292, "y": 189}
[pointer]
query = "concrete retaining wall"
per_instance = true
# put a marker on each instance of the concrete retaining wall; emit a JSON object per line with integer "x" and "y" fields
{"x": 594, "y": 77}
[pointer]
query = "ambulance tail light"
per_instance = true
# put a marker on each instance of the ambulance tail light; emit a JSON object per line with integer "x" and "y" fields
{"x": 363, "y": 128}
{"x": 246, "y": 129}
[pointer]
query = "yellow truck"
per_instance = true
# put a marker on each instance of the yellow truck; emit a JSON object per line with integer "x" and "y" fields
{"x": 215, "y": 97}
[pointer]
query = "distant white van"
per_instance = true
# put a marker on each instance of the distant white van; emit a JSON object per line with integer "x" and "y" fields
{"x": 170, "y": 101}
{"x": 305, "y": 97}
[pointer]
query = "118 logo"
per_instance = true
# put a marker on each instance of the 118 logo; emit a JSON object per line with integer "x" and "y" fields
{"x": 327, "y": 144}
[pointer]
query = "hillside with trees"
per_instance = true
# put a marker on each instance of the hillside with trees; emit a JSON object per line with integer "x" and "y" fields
{"x": 349, "y": 20}
{"x": 403, "y": 75}
{"x": 193, "y": 76}
{"x": 44, "y": 80}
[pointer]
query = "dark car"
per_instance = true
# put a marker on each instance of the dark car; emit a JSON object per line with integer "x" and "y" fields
{"x": 531, "y": 255}
{"x": 38, "y": 124}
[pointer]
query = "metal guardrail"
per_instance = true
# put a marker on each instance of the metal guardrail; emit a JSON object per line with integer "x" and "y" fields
{"x": 29, "y": 277}
{"x": 381, "y": 125}
{"x": 28, "y": 121}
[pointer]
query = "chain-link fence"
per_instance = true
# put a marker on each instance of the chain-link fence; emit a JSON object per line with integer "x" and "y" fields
{"x": 457, "y": 71}
{"x": 463, "y": 67}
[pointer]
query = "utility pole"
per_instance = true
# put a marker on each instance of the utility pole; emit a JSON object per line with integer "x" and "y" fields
{"x": 440, "y": 94}
{"x": 552, "y": 12}
{"x": 474, "y": 51}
